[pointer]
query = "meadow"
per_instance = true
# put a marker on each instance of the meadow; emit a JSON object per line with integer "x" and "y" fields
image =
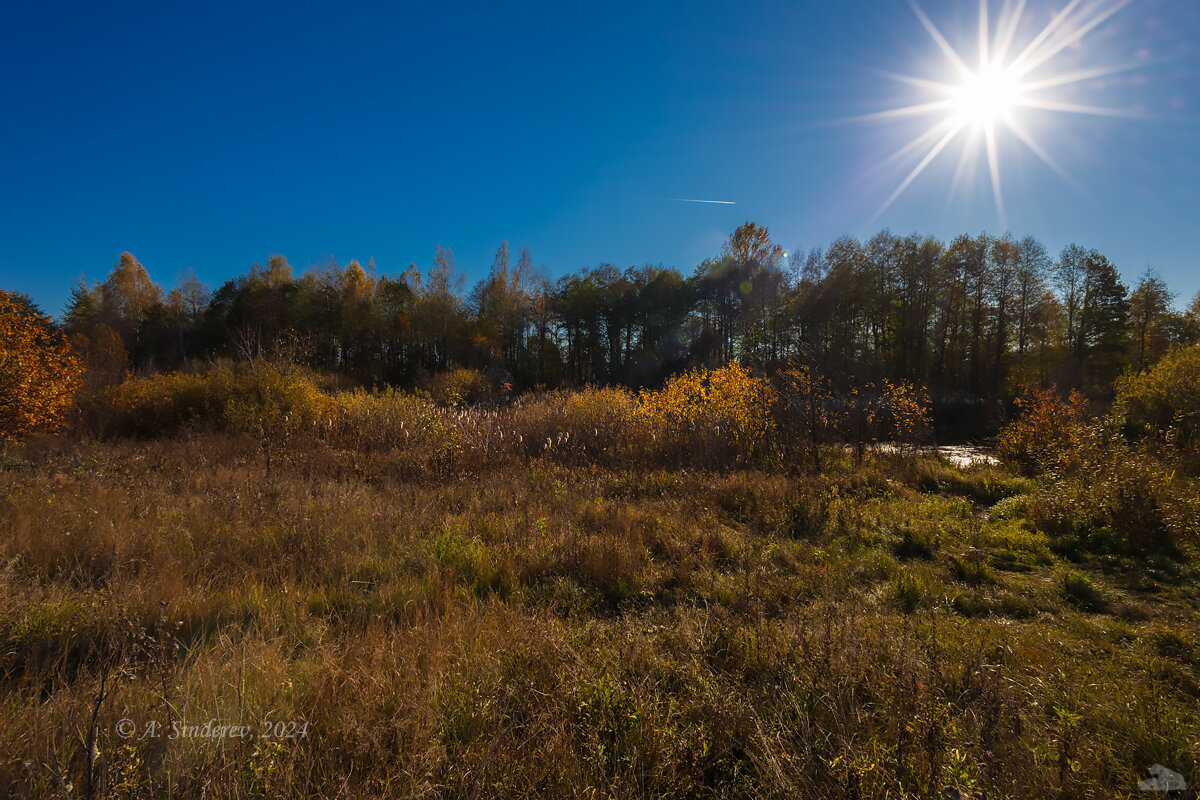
{"x": 592, "y": 593}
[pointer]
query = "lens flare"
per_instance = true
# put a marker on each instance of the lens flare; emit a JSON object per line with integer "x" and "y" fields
{"x": 995, "y": 98}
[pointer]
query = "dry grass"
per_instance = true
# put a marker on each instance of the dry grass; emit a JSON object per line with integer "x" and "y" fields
{"x": 455, "y": 614}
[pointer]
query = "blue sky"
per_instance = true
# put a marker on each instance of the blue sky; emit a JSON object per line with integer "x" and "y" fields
{"x": 208, "y": 136}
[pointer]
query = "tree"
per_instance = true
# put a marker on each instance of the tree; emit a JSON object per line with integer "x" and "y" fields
{"x": 185, "y": 307}
{"x": 1029, "y": 296}
{"x": 950, "y": 317}
{"x": 1186, "y": 326}
{"x": 1148, "y": 308}
{"x": 1006, "y": 259}
{"x": 579, "y": 314}
{"x": 1103, "y": 324}
{"x": 1069, "y": 276}
{"x": 661, "y": 303}
{"x": 395, "y": 298}
{"x": 547, "y": 361}
{"x": 969, "y": 261}
{"x": 732, "y": 288}
{"x": 912, "y": 305}
{"x": 83, "y": 308}
{"x": 126, "y": 298}
{"x": 277, "y": 272}
{"x": 358, "y": 331}
{"x": 440, "y": 309}
{"x": 104, "y": 358}
{"x": 751, "y": 243}
{"x": 503, "y": 307}
{"x": 257, "y": 312}
{"x": 39, "y": 374}
{"x": 1029, "y": 288}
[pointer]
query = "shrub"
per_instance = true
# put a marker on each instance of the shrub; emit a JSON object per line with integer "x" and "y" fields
{"x": 718, "y": 416}
{"x": 459, "y": 386}
{"x": 383, "y": 419}
{"x": 807, "y": 410}
{"x": 1118, "y": 494}
{"x": 257, "y": 398}
{"x": 39, "y": 373}
{"x": 1165, "y": 399}
{"x": 1011, "y": 507}
{"x": 812, "y": 413}
{"x": 981, "y": 484}
{"x": 1046, "y": 435}
{"x": 265, "y": 400}
{"x": 917, "y": 542}
{"x": 900, "y": 413}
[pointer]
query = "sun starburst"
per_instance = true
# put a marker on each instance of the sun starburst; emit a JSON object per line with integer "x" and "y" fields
{"x": 998, "y": 94}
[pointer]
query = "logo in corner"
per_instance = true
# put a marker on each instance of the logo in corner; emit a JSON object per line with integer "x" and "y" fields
{"x": 1163, "y": 780}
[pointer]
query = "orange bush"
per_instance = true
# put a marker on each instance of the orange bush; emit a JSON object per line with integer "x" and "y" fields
{"x": 39, "y": 374}
{"x": 1047, "y": 435}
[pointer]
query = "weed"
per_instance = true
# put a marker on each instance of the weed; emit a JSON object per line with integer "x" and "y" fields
{"x": 1081, "y": 592}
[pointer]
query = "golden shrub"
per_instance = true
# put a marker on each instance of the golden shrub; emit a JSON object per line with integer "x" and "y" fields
{"x": 255, "y": 398}
{"x": 1165, "y": 400}
{"x": 719, "y": 415}
{"x": 39, "y": 373}
{"x": 901, "y": 413}
{"x": 265, "y": 400}
{"x": 388, "y": 418}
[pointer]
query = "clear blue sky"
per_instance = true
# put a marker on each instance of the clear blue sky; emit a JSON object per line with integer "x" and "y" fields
{"x": 207, "y": 136}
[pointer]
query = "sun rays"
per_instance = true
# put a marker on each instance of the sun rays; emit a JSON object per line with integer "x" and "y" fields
{"x": 998, "y": 91}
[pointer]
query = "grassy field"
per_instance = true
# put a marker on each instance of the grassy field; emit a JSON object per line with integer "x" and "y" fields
{"x": 519, "y": 625}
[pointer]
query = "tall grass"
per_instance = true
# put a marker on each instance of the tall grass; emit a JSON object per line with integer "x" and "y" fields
{"x": 594, "y": 593}
{"x": 546, "y": 628}
{"x": 717, "y": 418}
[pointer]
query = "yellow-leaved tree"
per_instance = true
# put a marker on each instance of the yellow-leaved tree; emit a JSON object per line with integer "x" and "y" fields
{"x": 710, "y": 416}
{"x": 39, "y": 374}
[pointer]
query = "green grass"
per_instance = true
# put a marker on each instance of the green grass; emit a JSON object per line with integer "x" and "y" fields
{"x": 525, "y": 627}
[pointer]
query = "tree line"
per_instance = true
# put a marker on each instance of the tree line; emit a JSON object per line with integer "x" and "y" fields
{"x": 976, "y": 320}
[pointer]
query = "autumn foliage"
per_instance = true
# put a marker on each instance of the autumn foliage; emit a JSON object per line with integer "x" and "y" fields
{"x": 1046, "y": 435}
{"x": 1099, "y": 487}
{"x": 39, "y": 374}
{"x": 710, "y": 416}
{"x": 1164, "y": 401}
{"x": 899, "y": 412}
{"x": 257, "y": 398}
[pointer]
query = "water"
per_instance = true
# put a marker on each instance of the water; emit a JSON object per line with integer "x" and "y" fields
{"x": 960, "y": 455}
{"x": 964, "y": 455}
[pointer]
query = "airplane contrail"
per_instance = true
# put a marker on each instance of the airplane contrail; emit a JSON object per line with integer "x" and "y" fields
{"x": 718, "y": 202}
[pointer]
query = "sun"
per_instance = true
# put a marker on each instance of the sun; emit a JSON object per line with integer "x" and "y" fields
{"x": 987, "y": 97}
{"x": 1011, "y": 83}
